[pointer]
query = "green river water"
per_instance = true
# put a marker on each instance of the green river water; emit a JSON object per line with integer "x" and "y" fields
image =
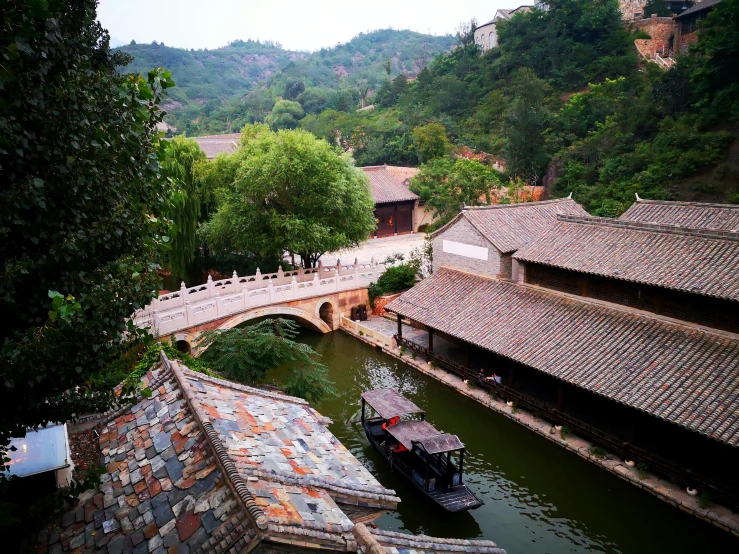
{"x": 538, "y": 497}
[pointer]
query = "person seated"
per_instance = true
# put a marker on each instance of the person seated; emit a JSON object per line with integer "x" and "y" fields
{"x": 390, "y": 422}
{"x": 497, "y": 378}
{"x": 481, "y": 375}
{"x": 400, "y": 448}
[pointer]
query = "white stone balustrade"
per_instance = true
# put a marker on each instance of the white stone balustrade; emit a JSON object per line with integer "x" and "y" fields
{"x": 190, "y": 306}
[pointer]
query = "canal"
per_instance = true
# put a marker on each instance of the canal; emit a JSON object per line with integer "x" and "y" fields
{"x": 539, "y": 498}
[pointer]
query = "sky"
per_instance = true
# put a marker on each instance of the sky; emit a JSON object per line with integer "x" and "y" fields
{"x": 307, "y": 25}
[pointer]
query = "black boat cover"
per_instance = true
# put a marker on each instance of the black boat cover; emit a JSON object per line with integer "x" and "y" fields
{"x": 390, "y": 403}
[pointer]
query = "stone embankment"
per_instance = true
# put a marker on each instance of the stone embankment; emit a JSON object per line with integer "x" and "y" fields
{"x": 719, "y": 516}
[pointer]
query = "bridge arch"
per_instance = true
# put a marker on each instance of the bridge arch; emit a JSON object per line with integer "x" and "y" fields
{"x": 312, "y": 321}
{"x": 325, "y": 310}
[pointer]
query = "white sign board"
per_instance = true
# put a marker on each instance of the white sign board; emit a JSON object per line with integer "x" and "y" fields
{"x": 466, "y": 250}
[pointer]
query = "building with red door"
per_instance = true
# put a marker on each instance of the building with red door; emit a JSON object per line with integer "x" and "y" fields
{"x": 398, "y": 210}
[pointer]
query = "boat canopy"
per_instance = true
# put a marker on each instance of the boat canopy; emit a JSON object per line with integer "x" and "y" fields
{"x": 390, "y": 403}
{"x": 422, "y": 432}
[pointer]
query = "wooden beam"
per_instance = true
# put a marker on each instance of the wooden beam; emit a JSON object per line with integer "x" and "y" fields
{"x": 400, "y": 326}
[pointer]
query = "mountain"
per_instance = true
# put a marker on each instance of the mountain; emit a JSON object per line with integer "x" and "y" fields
{"x": 222, "y": 89}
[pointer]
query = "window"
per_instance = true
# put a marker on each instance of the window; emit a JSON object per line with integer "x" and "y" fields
{"x": 492, "y": 39}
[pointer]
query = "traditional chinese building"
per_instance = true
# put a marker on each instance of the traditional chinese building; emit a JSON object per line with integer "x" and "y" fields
{"x": 398, "y": 210}
{"x": 206, "y": 465}
{"x": 624, "y": 330}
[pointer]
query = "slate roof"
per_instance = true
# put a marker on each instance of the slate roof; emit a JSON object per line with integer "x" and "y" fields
{"x": 705, "y": 5}
{"x": 510, "y": 226}
{"x": 434, "y": 441}
{"x": 207, "y": 465}
{"x": 212, "y": 145}
{"x": 163, "y": 487}
{"x": 682, "y": 374}
{"x": 385, "y": 187}
{"x": 684, "y": 214}
{"x": 699, "y": 261}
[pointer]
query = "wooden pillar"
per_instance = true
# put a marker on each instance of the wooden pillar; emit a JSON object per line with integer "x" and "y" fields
{"x": 363, "y": 405}
{"x": 510, "y": 377}
{"x": 584, "y": 286}
{"x": 560, "y": 397}
{"x": 431, "y": 340}
{"x": 461, "y": 466}
{"x": 395, "y": 219}
{"x": 400, "y": 326}
{"x": 467, "y": 356}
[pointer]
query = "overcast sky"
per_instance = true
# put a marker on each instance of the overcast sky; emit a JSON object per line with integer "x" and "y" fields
{"x": 297, "y": 25}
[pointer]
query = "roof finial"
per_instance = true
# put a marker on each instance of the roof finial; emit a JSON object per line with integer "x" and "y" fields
{"x": 570, "y": 196}
{"x": 637, "y": 196}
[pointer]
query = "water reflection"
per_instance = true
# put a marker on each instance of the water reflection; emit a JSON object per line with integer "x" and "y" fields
{"x": 539, "y": 498}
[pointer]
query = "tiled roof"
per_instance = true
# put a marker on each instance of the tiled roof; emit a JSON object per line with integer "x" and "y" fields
{"x": 163, "y": 487}
{"x": 213, "y": 145}
{"x": 706, "y": 4}
{"x": 692, "y": 260}
{"x": 207, "y": 465}
{"x": 386, "y": 188}
{"x": 403, "y": 543}
{"x": 510, "y": 226}
{"x": 684, "y": 214}
{"x": 679, "y": 373}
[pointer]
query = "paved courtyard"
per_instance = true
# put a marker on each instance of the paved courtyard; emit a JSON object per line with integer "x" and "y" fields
{"x": 379, "y": 249}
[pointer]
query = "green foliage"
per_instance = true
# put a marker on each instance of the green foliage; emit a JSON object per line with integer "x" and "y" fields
{"x": 704, "y": 500}
{"x": 285, "y": 115}
{"x": 221, "y": 90}
{"x": 291, "y": 192}
{"x": 642, "y": 469}
{"x": 247, "y": 354}
{"x": 657, "y": 7}
{"x": 597, "y": 452}
{"x": 447, "y": 185}
{"x": 564, "y": 432}
{"x": 431, "y": 141}
{"x": 181, "y": 156}
{"x": 84, "y": 210}
{"x": 395, "y": 279}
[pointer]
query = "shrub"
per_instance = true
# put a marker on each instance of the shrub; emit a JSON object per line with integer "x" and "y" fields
{"x": 642, "y": 469}
{"x": 597, "y": 452}
{"x": 704, "y": 500}
{"x": 564, "y": 432}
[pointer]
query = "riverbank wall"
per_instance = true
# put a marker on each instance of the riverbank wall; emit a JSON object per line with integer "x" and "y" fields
{"x": 717, "y": 515}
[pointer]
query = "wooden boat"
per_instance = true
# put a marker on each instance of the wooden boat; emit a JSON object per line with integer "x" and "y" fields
{"x": 413, "y": 448}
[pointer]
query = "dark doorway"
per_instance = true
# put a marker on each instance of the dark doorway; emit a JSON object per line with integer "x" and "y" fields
{"x": 385, "y": 221}
{"x": 326, "y": 313}
{"x": 184, "y": 346}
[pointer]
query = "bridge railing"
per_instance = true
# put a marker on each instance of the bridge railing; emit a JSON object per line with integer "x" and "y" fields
{"x": 212, "y": 300}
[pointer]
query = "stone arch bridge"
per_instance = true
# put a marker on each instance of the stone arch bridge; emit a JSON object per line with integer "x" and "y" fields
{"x": 316, "y": 298}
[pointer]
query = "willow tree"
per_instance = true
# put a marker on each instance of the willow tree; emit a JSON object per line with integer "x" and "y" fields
{"x": 181, "y": 157}
{"x": 291, "y": 193}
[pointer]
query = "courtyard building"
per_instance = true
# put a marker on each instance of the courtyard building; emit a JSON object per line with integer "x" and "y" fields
{"x": 625, "y": 330}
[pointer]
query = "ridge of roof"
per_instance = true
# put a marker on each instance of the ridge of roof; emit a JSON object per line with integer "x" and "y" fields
{"x": 649, "y": 227}
{"x": 517, "y": 204}
{"x": 704, "y": 5}
{"x": 436, "y": 544}
{"x": 685, "y": 203}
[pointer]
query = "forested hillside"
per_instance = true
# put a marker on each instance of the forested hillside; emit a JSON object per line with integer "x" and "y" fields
{"x": 223, "y": 89}
{"x": 565, "y": 101}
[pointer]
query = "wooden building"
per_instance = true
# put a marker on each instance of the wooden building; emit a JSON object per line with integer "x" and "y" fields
{"x": 395, "y": 204}
{"x": 688, "y": 22}
{"x": 626, "y": 331}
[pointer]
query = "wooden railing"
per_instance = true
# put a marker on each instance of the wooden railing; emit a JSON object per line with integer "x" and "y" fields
{"x": 626, "y": 450}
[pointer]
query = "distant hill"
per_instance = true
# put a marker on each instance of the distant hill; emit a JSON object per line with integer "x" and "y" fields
{"x": 220, "y": 90}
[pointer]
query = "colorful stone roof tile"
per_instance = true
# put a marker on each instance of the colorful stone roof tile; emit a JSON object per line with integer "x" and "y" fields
{"x": 508, "y": 227}
{"x": 684, "y": 214}
{"x": 163, "y": 487}
{"x": 699, "y": 261}
{"x": 385, "y": 187}
{"x": 680, "y": 373}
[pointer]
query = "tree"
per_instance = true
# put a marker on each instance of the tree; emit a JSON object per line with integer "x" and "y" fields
{"x": 466, "y": 32}
{"x": 181, "y": 156}
{"x": 82, "y": 215}
{"x": 247, "y": 354}
{"x": 431, "y": 141}
{"x": 286, "y": 114}
{"x": 292, "y": 193}
{"x": 293, "y": 89}
{"x": 526, "y": 120}
{"x": 448, "y": 185}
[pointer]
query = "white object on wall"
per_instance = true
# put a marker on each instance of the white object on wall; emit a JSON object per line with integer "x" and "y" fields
{"x": 466, "y": 250}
